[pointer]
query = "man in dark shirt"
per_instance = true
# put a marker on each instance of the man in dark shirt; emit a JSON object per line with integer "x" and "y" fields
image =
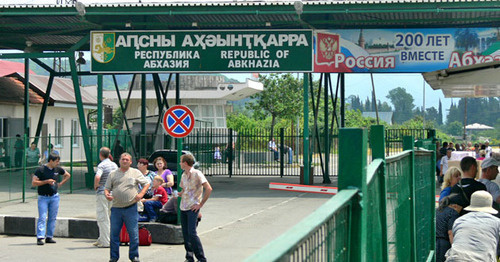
{"x": 468, "y": 185}
{"x": 45, "y": 179}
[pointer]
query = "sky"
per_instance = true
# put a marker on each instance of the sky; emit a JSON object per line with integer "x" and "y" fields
{"x": 356, "y": 83}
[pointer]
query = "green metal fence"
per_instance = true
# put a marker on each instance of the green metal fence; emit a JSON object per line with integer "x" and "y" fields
{"x": 373, "y": 217}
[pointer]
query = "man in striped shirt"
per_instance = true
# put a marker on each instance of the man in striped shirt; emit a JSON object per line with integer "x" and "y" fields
{"x": 103, "y": 206}
{"x": 123, "y": 183}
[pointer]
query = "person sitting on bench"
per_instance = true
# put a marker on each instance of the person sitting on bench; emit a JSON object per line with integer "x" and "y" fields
{"x": 159, "y": 199}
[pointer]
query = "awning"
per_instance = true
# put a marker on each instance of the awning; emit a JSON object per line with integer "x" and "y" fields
{"x": 477, "y": 126}
{"x": 479, "y": 80}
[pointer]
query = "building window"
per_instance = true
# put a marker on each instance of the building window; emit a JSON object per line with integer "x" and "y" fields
{"x": 58, "y": 139}
{"x": 75, "y": 131}
{"x": 208, "y": 116}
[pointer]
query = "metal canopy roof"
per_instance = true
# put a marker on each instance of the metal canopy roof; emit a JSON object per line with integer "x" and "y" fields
{"x": 479, "y": 80}
{"x": 52, "y": 28}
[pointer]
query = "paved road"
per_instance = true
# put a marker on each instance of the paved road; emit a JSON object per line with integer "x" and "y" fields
{"x": 241, "y": 217}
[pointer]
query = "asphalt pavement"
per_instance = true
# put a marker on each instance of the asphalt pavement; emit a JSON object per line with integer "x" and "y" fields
{"x": 241, "y": 216}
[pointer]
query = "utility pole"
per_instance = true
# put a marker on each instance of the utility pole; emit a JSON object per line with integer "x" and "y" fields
{"x": 465, "y": 119}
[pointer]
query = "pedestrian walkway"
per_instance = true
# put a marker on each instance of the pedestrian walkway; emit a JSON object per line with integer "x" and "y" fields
{"x": 241, "y": 216}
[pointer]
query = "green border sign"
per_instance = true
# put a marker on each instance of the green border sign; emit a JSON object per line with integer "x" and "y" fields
{"x": 201, "y": 51}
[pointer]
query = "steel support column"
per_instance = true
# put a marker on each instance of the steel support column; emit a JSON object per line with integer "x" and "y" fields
{"x": 124, "y": 112}
{"x": 99, "y": 111}
{"x": 179, "y": 147}
{"x": 326, "y": 132}
{"x": 81, "y": 116}
{"x": 143, "y": 116}
{"x": 305, "y": 156}
{"x": 377, "y": 143}
{"x": 342, "y": 100}
{"x": 46, "y": 100}
{"x": 26, "y": 97}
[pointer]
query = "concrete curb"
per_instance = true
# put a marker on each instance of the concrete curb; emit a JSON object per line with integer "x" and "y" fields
{"x": 85, "y": 228}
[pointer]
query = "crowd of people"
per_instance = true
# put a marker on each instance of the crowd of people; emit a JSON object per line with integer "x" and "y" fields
{"x": 125, "y": 196}
{"x": 467, "y": 219}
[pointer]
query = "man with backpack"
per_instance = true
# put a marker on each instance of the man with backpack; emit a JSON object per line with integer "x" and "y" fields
{"x": 467, "y": 185}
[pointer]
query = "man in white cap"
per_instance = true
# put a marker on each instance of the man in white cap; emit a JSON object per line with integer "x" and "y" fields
{"x": 489, "y": 173}
{"x": 475, "y": 234}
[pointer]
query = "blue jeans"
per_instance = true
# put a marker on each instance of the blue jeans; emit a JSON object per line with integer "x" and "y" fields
{"x": 276, "y": 154}
{"x": 47, "y": 205}
{"x": 192, "y": 242}
{"x": 149, "y": 207}
{"x": 129, "y": 216}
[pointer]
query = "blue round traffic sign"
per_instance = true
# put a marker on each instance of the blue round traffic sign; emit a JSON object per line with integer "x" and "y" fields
{"x": 178, "y": 121}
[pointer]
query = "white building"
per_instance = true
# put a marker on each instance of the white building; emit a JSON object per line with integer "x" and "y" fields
{"x": 61, "y": 118}
{"x": 206, "y": 95}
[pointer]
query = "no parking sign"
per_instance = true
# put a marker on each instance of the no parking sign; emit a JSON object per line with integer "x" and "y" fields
{"x": 178, "y": 121}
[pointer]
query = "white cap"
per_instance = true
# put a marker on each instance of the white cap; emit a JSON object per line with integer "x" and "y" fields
{"x": 481, "y": 201}
{"x": 490, "y": 162}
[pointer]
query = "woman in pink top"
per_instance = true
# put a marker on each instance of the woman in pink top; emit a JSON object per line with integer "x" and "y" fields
{"x": 165, "y": 173}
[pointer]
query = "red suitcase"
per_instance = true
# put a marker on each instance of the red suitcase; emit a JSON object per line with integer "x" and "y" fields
{"x": 145, "y": 238}
{"x": 124, "y": 237}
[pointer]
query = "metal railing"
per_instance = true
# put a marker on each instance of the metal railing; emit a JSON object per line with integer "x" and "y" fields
{"x": 322, "y": 236}
{"x": 373, "y": 215}
{"x": 250, "y": 155}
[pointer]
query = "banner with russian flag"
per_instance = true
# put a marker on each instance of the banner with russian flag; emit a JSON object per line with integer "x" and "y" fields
{"x": 403, "y": 50}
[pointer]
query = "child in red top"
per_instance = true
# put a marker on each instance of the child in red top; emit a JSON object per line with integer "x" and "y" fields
{"x": 159, "y": 198}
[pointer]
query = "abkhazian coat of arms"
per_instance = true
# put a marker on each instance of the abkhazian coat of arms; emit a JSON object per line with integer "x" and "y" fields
{"x": 103, "y": 46}
{"x": 327, "y": 45}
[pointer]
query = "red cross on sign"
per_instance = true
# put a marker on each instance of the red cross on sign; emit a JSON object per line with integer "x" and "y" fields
{"x": 178, "y": 121}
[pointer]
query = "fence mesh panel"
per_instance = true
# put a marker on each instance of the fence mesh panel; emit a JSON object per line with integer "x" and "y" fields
{"x": 399, "y": 207}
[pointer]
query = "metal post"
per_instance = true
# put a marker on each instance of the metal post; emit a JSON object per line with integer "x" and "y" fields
{"x": 99, "y": 112}
{"x": 71, "y": 162}
{"x": 143, "y": 115}
{"x": 342, "y": 100}
{"x": 433, "y": 185}
{"x": 24, "y": 167}
{"x": 26, "y": 96}
{"x": 408, "y": 144}
{"x": 326, "y": 130}
{"x": 179, "y": 148}
{"x": 230, "y": 153}
{"x": 282, "y": 151}
{"x": 465, "y": 119}
{"x": 81, "y": 115}
{"x": 305, "y": 157}
{"x": 377, "y": 142}
{"x": 352, "y": 174}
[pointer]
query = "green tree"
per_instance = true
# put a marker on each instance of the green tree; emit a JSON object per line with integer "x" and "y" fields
{"x": 440, "y": 114}
{"x": 240, "y": 121}
{"x": 432, "y": 114}
{"x": 383, "y": 107}
{"x": 417, "y": 123}
{"x": 368, "y": 105}
{"x": 403, "y": 104}
{"x": 282, "y": 97}
{"x": 117, "y": 119}
{"x": 454, "y": 114}
{"x": 455, "y": 128}
{"x": 353, "y": 118}
{"x": 355, "y": 102}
